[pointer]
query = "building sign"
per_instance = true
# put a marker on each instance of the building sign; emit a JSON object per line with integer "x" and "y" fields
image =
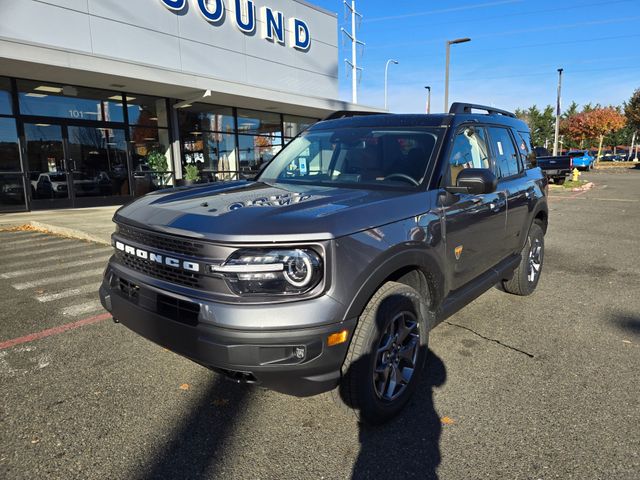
{"x": 273, "y": 21}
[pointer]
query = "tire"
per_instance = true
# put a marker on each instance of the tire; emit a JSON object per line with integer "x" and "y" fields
{"x": 559, "y": 180}
{"x": 526, "y": 275}
{"x": 369, "y": 394}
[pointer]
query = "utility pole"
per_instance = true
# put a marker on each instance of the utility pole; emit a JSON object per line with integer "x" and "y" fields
{"x": 428, "y": 99}
{"x": 354, "y": 44}
{"x": 558, "y": 111}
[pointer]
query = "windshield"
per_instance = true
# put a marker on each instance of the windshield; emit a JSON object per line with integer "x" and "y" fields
{"x": 363, "y": 156}
{"x": 576, "y": 154}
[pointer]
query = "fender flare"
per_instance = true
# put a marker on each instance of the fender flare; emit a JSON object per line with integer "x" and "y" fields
{"x": 421, "y": 258}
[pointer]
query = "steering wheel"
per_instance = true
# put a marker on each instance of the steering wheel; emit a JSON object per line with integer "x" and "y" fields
{"x": 403, "y": 177}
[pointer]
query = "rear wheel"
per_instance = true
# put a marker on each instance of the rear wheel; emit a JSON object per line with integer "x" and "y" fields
{"x": 526, "y": 276}
{"x": 386, "y": 355}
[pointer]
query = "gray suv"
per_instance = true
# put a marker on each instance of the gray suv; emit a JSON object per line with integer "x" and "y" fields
{"x": 328, "y": 271}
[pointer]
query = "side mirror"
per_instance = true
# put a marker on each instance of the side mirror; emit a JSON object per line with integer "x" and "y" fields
{"x": 475, "y": 181}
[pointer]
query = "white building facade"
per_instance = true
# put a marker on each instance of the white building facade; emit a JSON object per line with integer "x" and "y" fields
{"x": 104, "y": 100}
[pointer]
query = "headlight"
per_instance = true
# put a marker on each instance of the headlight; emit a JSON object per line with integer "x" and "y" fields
{"x": 271, "y": 272}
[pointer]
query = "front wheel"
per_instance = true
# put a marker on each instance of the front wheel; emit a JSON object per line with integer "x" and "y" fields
{"x": 527, "y": 274}
{"x": 386, "y": 355}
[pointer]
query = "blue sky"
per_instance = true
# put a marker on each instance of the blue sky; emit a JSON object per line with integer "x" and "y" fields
{"x": 516, "y": 48}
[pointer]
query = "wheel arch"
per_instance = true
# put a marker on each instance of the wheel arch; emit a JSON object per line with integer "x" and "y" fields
{"x": 415, "y": 268}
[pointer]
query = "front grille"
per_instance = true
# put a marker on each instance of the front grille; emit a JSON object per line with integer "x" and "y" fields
{"x": 129, "y": 289}
{"x": 163, "y": 272}
{"x": 161, "y": 242}
{"x": 178, "y": 310}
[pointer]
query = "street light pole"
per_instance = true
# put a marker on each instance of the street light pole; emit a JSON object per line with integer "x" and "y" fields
{"x": 428, "y": 99}
{"x": 557, "y": 133}
{"x": 386, "y": 77}
{"x": 446, "y": 77}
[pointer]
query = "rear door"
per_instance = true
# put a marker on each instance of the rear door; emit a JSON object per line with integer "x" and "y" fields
{"x": 513, "y": 182}
{"x": 474, "y": 224}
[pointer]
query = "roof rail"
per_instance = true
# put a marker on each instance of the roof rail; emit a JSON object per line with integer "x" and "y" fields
{"x": 467, "y": 107}
{"x": 349, "y": 113}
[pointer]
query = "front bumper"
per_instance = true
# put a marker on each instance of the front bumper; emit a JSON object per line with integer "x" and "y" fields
{"x": 294, "y": 361}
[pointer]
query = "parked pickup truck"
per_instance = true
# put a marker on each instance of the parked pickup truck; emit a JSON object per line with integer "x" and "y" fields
{"x": 327, "y": 272}
{"x": 555, "y": 168}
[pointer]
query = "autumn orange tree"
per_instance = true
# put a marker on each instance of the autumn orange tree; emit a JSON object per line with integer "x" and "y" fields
{"x": 594, "y": 125}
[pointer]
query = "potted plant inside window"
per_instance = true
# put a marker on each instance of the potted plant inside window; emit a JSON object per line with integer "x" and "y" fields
{"x": 157, "y": 162}
{"x": 191, "y": 175}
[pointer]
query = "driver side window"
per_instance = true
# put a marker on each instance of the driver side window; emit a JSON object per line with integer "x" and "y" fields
{"x": 470, "y": 150}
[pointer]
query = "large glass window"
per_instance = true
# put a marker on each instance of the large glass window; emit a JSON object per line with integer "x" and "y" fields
{"x": 201, "y": 117}
{"x": 294, "y": 125}
{"x": 66, "y": 101}
{"x": 11, "y": 192}
{"x": 147, "y": 111}
{"x": 261, "y": 123}
{"x": 5, "y": 97}
{"x": 254, "y": 150}
{"x": 9, "y": 152}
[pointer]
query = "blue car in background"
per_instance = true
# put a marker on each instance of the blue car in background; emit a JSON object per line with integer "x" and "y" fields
{"x": 582, "y": 159}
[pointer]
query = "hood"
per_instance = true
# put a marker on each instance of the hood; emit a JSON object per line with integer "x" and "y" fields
{"x": 256, "y": 212}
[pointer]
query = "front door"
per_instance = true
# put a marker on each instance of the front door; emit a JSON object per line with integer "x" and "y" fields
{"x": 75, "y": 166}
{"x": 97, "y": 160}
{"x": 48, "y": 175}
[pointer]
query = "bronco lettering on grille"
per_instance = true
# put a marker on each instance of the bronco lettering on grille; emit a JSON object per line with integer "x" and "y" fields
{"x": 157, "y": 258}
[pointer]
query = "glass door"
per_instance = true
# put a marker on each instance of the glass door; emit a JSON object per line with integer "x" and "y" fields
{"x": 47, "y": 174}
{"x": 97, "y": 160}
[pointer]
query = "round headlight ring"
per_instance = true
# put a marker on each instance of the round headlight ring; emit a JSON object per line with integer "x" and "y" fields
{"x": 307, "y": 264}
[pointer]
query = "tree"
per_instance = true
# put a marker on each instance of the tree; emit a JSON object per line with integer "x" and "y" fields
{"x": 632, "y": 113}
{"x": 541, "y": 124}
{"x": 595, "y": 124}
{"x": 632, "y": 110}
{"x": 570, "y": 111}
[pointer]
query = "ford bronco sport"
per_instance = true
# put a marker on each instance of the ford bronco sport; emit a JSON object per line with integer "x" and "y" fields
{"x": 329, "y": 270}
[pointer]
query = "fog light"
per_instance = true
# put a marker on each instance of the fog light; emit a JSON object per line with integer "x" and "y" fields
{"x": 337, "y": 338}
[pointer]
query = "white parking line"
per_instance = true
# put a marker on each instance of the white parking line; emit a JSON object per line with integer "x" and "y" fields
{"x": 71, "y": 254}
{"x": 20, "y": 235}
{"x": 60, "y": 266}
{"x": 37, "y": 244}
{"x": 10, "y": 243}
{"x": 82, "y": 308}
{"x": 70, "y": 292}
{"x": 57, "y": 279}
{"x": 51, "y": 250}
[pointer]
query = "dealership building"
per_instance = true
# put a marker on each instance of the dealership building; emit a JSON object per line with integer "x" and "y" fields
{"x": 105, "y": 100}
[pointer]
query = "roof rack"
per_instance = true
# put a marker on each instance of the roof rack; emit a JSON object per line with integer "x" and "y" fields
{"x": 467, "y": 107}
{"x": 350, "y": 113}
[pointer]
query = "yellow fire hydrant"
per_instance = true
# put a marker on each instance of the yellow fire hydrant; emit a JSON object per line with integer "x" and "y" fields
{"x": 575, "y": 174}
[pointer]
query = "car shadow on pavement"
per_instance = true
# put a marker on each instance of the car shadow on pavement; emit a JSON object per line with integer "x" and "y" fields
{"x": 409, "y": 445}
{"x": 193, "y": 449}
{"x": 627, "y": 322}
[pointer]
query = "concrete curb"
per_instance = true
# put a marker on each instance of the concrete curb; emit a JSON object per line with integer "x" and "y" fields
{"x": 68, "y": 232}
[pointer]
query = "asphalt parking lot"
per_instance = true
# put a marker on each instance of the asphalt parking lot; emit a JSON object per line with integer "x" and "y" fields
{"x": 546, "y": 386}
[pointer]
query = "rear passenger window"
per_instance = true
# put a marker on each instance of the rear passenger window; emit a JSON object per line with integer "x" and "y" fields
{"x": 507, "y": 158}
{"x": 469, "y": 150}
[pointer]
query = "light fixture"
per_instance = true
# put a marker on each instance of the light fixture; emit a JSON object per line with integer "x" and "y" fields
{"x": 47, "y": 88}
{"x": 36, "y": 95}
{"x": 154, "y": 119}
{"x": 150, "y": 138}
{"x": 43, "y": 124}
{"x": 195, "y": 133}
{"x": 186, "y": 105}
{"x": 130, "y": 99}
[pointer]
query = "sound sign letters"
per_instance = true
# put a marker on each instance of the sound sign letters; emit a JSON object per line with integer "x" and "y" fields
{"x": 273, "y": 21}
